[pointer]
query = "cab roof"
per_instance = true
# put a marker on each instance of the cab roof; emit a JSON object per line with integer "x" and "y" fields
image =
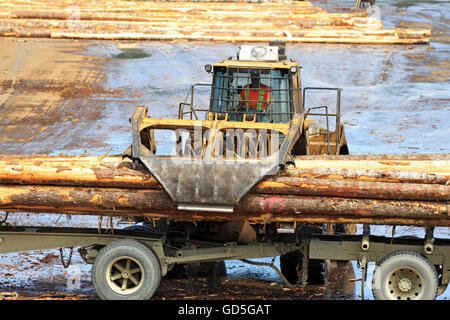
{"x": 256, "y": 64}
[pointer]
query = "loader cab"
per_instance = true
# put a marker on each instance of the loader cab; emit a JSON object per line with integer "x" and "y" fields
{"x": 274, "y": 91}
{"x": 259, "y": 86}
{"x": 282, "y": 98}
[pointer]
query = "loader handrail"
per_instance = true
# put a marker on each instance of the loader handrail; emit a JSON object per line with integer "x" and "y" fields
{"x": 192, "y": 110}
{"x": 337, "y": 115}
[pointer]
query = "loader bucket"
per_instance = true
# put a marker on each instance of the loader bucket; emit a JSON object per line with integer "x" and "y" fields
{"x": 201, "y": 181}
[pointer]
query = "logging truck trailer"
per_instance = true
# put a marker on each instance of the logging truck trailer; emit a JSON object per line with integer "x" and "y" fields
{"x": 242, "y": 138}
{"x": 130, "y": 263}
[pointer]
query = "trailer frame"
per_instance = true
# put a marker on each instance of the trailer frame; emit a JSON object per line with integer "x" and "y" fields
{"x": 337, "y": 247}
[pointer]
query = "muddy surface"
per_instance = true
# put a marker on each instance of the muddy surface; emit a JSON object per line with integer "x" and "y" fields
{"x": 40, "y": 275}
{"x": 75, "y": 97}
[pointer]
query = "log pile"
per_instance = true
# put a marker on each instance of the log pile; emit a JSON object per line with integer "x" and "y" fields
{"x": 297, "y": 21}
{"x": 403, "y": 190}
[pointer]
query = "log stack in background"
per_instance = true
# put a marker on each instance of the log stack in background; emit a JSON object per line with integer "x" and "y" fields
{"x": 403, "y": 190}
{"x": 290, "y": 21}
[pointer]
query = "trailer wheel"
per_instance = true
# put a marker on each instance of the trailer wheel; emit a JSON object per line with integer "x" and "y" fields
{"x": 126, "y": 270}
{"x": 405, "y": 275}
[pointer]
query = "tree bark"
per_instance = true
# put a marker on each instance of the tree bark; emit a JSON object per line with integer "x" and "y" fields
{"x": 353, "y": 189}
{"x": 113, "y": 172}
{"x": 255, "y": 208}
{"x": 110, "y": 186}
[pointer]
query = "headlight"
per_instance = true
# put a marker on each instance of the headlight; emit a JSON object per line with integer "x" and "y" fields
{"x": 259, "y": 52}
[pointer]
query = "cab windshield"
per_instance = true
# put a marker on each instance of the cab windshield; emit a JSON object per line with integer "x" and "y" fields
{"x": 244, "y": 92}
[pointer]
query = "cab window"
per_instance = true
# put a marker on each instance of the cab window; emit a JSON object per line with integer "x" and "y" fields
{"x": 229, "y": 90}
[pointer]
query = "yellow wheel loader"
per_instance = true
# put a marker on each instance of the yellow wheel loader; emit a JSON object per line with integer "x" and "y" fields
{"x": 256, "y": 123}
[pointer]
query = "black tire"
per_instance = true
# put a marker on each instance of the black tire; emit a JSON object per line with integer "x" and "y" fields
{"x": 138, "y": 264}
{"x": 405, "y": 275}
{"x": 292, "y": 261}
{"x": 203, "y": 269}
{"x": 141, "y": 228}
{"x": 288, "y": 265}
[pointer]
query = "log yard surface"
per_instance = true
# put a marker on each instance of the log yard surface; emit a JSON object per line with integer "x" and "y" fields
{"x": 68, "y": 88}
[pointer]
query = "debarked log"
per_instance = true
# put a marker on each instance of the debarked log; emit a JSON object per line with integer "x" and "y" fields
{"x": 299, "y": 21}
{"x": 394, "y": 176}
{"x": 253, "y": 207}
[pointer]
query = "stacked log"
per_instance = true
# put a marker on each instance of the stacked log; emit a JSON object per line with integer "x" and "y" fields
{"x": 404, "y": 190}
{"x": 297, "y": 21}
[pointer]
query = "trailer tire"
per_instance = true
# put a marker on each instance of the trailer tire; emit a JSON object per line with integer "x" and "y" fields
{"x": 216, "y": 269}
{"x": 291, "y": 263}
{"x": 126, "y": 270}
{"x": 405, "y": 275}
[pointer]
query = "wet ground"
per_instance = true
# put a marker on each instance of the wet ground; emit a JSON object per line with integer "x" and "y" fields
{"x": 75, "y": 97}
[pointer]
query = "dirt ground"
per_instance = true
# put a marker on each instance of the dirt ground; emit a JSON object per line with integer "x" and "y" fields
{"x": 75, "y": 97}
{"x": 40, "y": 82}
{"x": 338, "y": 287}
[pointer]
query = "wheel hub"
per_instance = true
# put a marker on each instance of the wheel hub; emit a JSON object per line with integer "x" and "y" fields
{"x": 125, "y": 275}
{"x": 404, "y": 284}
